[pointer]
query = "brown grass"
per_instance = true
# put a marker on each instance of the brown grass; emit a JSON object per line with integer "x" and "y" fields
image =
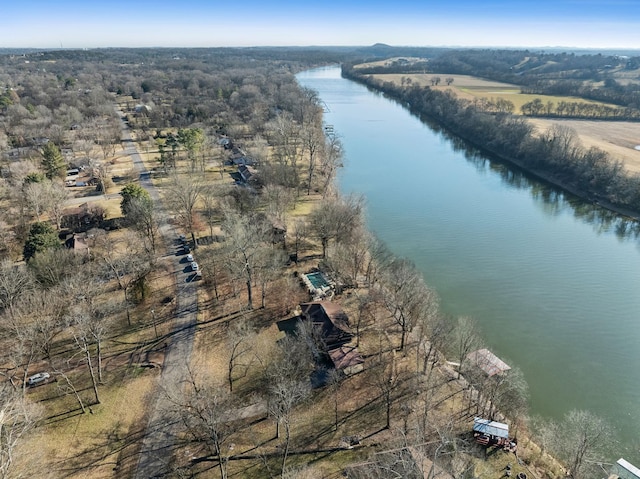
{"x": 96, "y": 444}
{"x": 618, "y": 138}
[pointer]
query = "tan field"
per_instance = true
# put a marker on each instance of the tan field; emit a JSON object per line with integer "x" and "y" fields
{"x": 618, "y": 138}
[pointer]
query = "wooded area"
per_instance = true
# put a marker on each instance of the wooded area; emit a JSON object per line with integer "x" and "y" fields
{"x": 121, "y": 170}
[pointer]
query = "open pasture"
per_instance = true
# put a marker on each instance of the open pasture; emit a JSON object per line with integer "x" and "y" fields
{"x": 474, "y": 88}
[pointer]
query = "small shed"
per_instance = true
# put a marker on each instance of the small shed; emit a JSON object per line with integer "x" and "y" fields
{"x": 493, "y": 429}
{"x": 488, "y": 362}
{"x": 625, "y": 470}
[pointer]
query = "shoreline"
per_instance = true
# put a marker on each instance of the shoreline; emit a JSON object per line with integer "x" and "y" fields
{"x": 547, "y": 177}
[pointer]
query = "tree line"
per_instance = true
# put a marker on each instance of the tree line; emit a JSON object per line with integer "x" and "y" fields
{"x": 570, "y": 74}
{"x": 557, "y": 154}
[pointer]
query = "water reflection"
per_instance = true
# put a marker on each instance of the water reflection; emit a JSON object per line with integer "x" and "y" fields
{"x": 526, "y": 259}
{"x": 549, "y": 198}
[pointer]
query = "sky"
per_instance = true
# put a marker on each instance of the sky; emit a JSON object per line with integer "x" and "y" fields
{"x": 610, "y": 24}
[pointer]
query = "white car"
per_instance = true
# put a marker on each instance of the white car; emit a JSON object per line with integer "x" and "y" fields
{"x": 189, "y": 258}
{"x": 38, "y": 379}
{"x": 194, "y": 266}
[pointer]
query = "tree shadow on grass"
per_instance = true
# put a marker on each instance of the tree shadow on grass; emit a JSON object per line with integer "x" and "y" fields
{"x": 111, "y": 448}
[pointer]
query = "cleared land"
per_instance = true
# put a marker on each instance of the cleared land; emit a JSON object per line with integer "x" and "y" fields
{"x": 618, "y": 138}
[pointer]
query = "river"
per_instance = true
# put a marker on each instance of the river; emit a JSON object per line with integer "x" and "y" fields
{"x": 553, "y": 282}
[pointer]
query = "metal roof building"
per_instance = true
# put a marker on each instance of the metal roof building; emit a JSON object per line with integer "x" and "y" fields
{"x": 491, "y": 428}
{"x": 488, "y": 362}
{"x": 625, "y": 470}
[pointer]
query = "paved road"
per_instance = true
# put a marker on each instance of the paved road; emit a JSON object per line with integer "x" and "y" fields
{"x": 159, "y": 440}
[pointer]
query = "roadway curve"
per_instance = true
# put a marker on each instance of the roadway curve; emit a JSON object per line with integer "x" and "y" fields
{"x": 159, "y": 439}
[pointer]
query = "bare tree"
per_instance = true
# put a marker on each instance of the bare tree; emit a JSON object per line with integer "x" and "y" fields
{"x": 108, "y": 137}
{"x": 313, "y": 141}
{"x": 330, "y": 161}
{"x": 15, "y": 282}
{"x": 581, "y": 439}
{"x": 211, "y": 211}
{"x": 387, "y": 379}
{"x": 406, "y": 296}
{"x": 285, "y": 136}
{"x": 239, "y": 346}
{"x": 467, "y": 339}
{"x": 183, "y": 194}
{"x": 35, "y": 198}
{"x": 349, "y": 258}
{"x": 205, "y": 410}
{"x": 284, "y": 395}
{"x": 17, "y": 418}
{"x": 80, "y": 327}
{"x": 289, "y": 384}
{"x": 335, "y": 219}
{"x": 143, "y": 218}
{"x": 270, "y": 263}
{"x": 101, "y": 171}
{"x": 278, "y": 200}
{"x": 19, "y": 353}
{"x": 128, "y": 268}
{"x": 245, "y": 240}
{"x": 300, "y": 232}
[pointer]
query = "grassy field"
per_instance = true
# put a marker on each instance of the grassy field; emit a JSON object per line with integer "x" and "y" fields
{"x": 618, "y": 138}
{"x": 472, "y": 88}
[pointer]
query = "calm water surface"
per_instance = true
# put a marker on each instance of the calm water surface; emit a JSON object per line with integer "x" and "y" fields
{"x": 553, "y": 282}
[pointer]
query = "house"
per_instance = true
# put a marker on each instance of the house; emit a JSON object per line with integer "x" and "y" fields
{"x": 487, "y": 362}
{"x": 346, "y": 359}
{"x": 83, "y": 217}
{"x": 624, "y": 470}
{"x": 246, "y": 173}
{"x": 279, "y": 232}
{"x": 77, "y": 242}
{"x": 242, "y": 160}
{"x": 331, "y": 320}
{"x": 142, "y": 110}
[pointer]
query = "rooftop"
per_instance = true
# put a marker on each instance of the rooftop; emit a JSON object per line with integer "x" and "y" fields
{"x": 488, "y": 362}
{"x": 491, "y": 428}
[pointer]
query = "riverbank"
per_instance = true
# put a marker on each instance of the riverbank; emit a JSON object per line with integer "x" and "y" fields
{"x": 532, "y": 265}
{"x": 587, "y": 174}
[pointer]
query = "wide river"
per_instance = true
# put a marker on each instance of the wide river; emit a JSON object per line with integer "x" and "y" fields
{"x": 553, "y": 282}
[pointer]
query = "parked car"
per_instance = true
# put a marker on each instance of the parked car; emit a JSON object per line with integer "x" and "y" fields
{"x": 189, "y": 258}
{"x": 194, "y": 266}
{"x": 182, "y": 238}
{"x": 186, "y": 249}
{"x": 38, "y": 379}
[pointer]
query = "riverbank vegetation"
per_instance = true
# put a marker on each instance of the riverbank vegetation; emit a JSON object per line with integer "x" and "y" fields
{"x": 555, "y": 154}
{"x": 241, "y": 164}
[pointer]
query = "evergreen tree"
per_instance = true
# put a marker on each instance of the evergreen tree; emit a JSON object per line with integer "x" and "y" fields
{"x": 132, "y": 192}
{"x": 52, "y": 161}
{"x": 42, "y": 236}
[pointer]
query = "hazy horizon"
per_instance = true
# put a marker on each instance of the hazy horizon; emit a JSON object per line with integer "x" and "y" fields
{"x": 585, "y": 24}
